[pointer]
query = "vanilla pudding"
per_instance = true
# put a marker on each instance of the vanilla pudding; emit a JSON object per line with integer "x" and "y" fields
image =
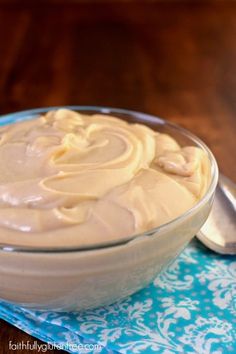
{"x": 92, "y": 208}
{"x": 73, "y": 179}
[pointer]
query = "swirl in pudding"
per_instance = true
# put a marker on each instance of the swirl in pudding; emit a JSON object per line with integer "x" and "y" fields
{"x": 69, "y": 179}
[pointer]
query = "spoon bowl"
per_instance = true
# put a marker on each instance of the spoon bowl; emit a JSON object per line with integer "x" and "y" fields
{"x": 219, "y": 231}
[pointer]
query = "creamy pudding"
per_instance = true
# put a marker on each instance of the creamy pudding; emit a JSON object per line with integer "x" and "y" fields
{"x": 74, "y": 179}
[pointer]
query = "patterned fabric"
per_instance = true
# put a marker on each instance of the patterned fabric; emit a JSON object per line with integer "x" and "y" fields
{"x": 189, "y": 308}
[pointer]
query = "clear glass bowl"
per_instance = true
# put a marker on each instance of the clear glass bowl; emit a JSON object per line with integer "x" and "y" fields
{"x": 75, "y": 278}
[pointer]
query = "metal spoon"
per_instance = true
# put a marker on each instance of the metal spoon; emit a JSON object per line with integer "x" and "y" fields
{"x": 219, "y": 231}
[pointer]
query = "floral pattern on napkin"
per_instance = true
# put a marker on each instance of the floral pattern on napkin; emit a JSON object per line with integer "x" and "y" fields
{"x": 189, "y": 308}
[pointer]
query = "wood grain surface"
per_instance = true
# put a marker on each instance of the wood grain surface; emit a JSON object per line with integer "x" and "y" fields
{"x": 172, "y": 59}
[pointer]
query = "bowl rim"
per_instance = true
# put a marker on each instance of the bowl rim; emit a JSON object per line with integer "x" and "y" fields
{"x": 29, "y": 114}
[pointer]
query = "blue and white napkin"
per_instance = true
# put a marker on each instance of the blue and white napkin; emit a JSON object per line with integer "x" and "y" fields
{"x": 189, "y": 308}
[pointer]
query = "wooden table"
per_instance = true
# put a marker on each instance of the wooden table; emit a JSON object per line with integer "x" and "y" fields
{"x": 175, "y": 60}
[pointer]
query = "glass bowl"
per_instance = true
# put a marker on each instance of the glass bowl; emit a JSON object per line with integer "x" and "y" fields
{"x": 76, "y": 278}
